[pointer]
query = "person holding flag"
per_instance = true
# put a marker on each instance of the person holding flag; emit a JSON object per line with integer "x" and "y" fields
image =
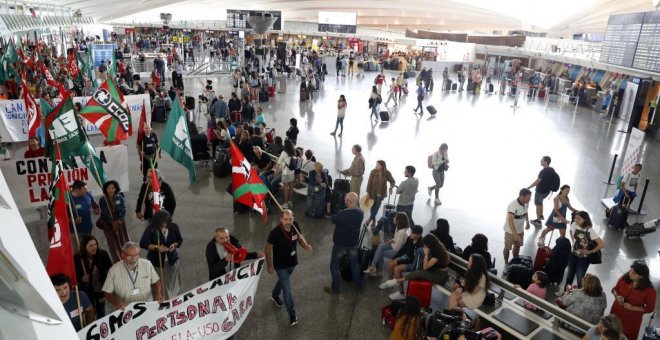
{"x": 74, "y": 307}
{"x": 84, "y": 204}
{"x": 112, "y": 220}
{"x": 161, "y": 239}
{"x": 108, "y": 110}
{"x": 149, "y": 149}
{"x": 155, "y": 192}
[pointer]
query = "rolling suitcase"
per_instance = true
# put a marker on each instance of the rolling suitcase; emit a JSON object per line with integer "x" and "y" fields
{"x": 342, "y": 185}
{"x": 454, "y": 86}
{"x": 271, "y": 91}
{"x": 542, "y": 93}
{"x": 543, "y": 255}
{"x": 619, "y": 215}
{"x": 421, "y": 289}
{"x": 263, "y": 96}
{"x": 519, "y": 271}
{"x": 388, "y": 317}
{"x": 384, "y": 116}
{"x": 490, "y": 88}
{"x": 405, "y": 90}
{"x": 364, "y": 257}
{"x": 431, "y": 110}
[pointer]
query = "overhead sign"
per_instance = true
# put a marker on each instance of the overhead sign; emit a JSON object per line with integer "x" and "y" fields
{"x": 214, "y": 310}
{"x": 238, "y": 19}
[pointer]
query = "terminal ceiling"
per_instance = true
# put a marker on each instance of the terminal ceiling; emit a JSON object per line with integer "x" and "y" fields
{"x": 557, "y": 16}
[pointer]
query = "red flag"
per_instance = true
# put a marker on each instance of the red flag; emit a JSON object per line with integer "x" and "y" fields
{"x": 247, "y": 187}
{"x": 143, "y": 120}
{"x": 33, "y": 109}
{"x": 49, "y": 77}
{"x": 74, "y": 70}
{"x": 108, "y": 110}
{"x": 60, "y": 256}
{"x": 155, "y": 185}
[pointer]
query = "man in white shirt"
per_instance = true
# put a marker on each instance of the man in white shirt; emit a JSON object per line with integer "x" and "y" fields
{"x": 628, "y": 185}
{"x": 132, "y": 280}
{"x": 516, "y": 218}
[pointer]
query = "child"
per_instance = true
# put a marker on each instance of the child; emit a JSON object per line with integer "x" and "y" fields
{"x": 539, "y": 282}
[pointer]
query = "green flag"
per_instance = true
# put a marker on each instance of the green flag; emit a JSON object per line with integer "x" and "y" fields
{"x": 112, "y": 68}
{"x": 92, "y": 162}
{"x": 64, "y": 127}
{"x": 3, "y": 74}
{"x": 10, "y": 53}
{"x": 84, "y": 68}
{"x": 176, "y": 139}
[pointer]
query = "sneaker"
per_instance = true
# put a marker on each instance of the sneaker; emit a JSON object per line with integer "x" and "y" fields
{"x": 329, "y": 290}
{"x": 536, "y": 222}
{"x": 276, "y": 300}
{"x": 367, "y": 271}
{"x": 293, "y": 320}
{"x": 430, "y": 190}
{"x": 438, "y": 201}
{"x": 397, "y": 296}
{"x": 388, "y": 284}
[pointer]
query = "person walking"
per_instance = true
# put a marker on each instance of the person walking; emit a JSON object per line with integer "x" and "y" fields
{"x": 288, "y": 175}
{"x": 112, "y": 219}
{"x": 421, "y": 92}
{"x": 161, "y": 239}
{"x": 92, "y": 266}
{"x": 407, "y": 191}
{"x": 374, "y": 101}
{"x": 377, "y": 188}
{"x": 132, "y": 280}
{"x": 346, "y": 242}
{"x": 282, "y": 258}
{"x": 516, "y": 218}
{"x": 543, "y": 187}
{"x": 439, "y": 162}
{"x": 558, "y": 219}
{"x": 585, "y": 242}
{"x": 380, "y": 81}
{"x": 635, "y": 296}
{"x": 356, "y": 171}
{"x": 392, "y": 93}
{"x": 341, "y": 113}
{"x": 400, "y": 80}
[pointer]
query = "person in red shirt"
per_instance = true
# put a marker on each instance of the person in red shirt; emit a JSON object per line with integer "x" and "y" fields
{"x": 635, "y": 296}
{"x": 34, "y": 150}
{"x": 12, "y": 87}
{"x": 155, "y": 78}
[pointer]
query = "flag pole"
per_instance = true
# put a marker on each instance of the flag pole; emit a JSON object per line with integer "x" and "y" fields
{"x": 160, "y": 264}
{"x": 293, "y": 225}
{"x": 74, "y": 216}
{"x": 80, "y": 312}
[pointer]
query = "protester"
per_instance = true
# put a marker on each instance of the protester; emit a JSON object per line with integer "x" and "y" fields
{"x": 112, "y": 219}
{"x": 149, "y": 149}
{"x": 587, "y": 302}
{"x": 472, "y": 289}
{"x": 146, "y": 198}
{"x": 74, "y": 305}
{"x": 516, "y": 217}
{"x": 34, "y": 150}
{"x": 377, "y": 188}
{"x": 219, "y": 259}
{"x": 161, "y": 239}
{"x": 634, "y": 296}
{"x": 282, "y": 258}
{"x": 92, "y": 265}
{"x": 132, "y": 280}
{"x": 345, "y": 240}
{"x": 439, "y": 162}
{"x": 356, "y": 171}
{"x": 84, "y": 205}
{"x": 407, "y": 191}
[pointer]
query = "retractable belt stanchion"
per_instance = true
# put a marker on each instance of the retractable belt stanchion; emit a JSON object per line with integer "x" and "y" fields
{"x": 609, "y": 179}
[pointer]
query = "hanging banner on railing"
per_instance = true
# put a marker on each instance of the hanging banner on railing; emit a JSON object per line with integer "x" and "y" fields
{"x": 14, "y": 122}
{"x": 214, "y": 310}
{"x": 29, "y": 179}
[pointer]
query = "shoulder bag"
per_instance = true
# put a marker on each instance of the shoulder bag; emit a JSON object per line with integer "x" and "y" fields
{"x": 597, "y": 257}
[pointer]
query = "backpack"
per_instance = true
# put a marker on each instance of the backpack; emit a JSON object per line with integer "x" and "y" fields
{"x": 618, "y": 182}
{"x": 429, "y": 162}
{"x": 379, "y": 99}
{"x": 295, "y": 163}
{"x": 554, "y": 181}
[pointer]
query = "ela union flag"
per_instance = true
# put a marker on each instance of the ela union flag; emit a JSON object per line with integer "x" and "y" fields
{"x": 247, "y": 187}
{"x": 108, "y": 111}
{"x": 60, "y": 255}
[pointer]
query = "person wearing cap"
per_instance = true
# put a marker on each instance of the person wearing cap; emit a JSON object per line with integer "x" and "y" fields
{"x": 346, "y": 242}
{"x": 404, "y": 259}
{"x": 84, "y": 205}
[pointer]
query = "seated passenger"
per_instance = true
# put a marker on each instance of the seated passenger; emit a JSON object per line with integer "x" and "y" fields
{"x": 408, "y": 324}
{"x": 588, "y": 303}
{"x": 433, "y": 260}
{"x": 608, "y": 323}
{"x": 391, "y": 247}
{"x": 442, "y": 233}
{"x": 474, "y": 284}
{"x": 317, "y": 191}
{"x": 479, "y": 246}
{"x": 537, "y": 288}
{"x": 403, "y": 260}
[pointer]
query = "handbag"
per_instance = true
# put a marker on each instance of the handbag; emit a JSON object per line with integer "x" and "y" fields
{"x": 594, "y": 258}
{"x": 375, "y": 240}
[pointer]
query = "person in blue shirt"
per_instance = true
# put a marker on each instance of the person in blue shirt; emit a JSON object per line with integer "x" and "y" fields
{"x": 73, "y": 308}
{"x": 84, "y": 205}
{"x": 345, "y": 240}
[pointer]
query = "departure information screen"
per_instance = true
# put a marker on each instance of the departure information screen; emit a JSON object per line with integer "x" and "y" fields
{"x": 647, "y": 56}
{"x": 238, "y": 19}
{"x": 621, "y": 37}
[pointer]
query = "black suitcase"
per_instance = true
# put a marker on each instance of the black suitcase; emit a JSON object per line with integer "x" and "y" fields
{"x": 303, "y": 95}
{"x": 384, "y": 116}
{"x": 222, "y": 163}
{"x": 337, "y": 201}
{"x": 431, "y": 110}
{"x": 364, "y": 257}
{"x": 490, "y": 88}
{"x": 342, "y": 186}
{"x": 519, "y": 274}
{"x": 158, "y": 115}
{"x": 618, "y": 216}
{"x": 190, "y": 103}
{"x": 454, "y": 86}
{"x": 263, "y": 96}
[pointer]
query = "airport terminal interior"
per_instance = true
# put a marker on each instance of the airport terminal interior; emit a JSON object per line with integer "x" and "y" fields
{"x": 533, "y": 86}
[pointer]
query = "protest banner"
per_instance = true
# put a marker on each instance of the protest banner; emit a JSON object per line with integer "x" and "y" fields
{"x": 29, "y": 179}
{"x": 214, "y": 310}
{"x": 14, "y": 116}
